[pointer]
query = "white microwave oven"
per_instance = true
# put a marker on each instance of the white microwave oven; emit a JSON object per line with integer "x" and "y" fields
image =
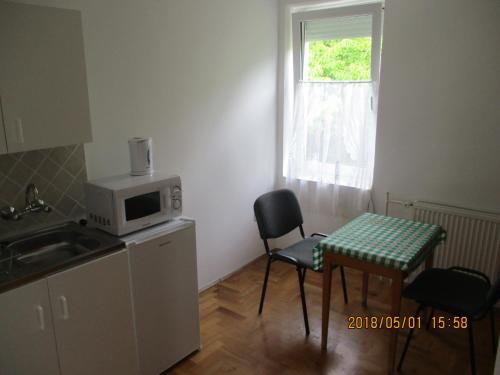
{"x": 123, "y": 204}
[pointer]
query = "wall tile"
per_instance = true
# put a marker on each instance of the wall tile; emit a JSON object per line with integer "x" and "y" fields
{"x": 66, "y": 205}
{"x": 58, "y": 173}
{"x": 9, "y": 191}
{"x": 6, "y": 163}
{"x": 33, "y": 159}
{"x": 21, "y": 173}
{"x": 49, "y": 169}
{"x": 41, "y": 182}
{"x": 62, "y": 180}
{"x": 52, "y": 195}
{"x": 73, "y": 165}
{"x": 75, "y": 191}
{"x": 60, "y": 155}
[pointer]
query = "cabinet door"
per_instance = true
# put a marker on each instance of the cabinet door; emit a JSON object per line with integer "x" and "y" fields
{"x": 3, "y": 143}
{"x": 27, "y": 343}
{"x": 165, "y": 292}
{"x": 93, "y": 321}
{"x": 43, "y": 83}
{"x": 3, "y": 140}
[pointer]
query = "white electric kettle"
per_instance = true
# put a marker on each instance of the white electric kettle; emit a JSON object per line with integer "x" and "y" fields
{"x": 141, "y": 156}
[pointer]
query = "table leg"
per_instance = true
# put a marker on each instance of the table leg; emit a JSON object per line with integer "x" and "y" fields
{"x": 364, "y": 290}
{"x": 327, "y": 284}
{"x": 429, "y": 261}
{"x": 397, "y": 283}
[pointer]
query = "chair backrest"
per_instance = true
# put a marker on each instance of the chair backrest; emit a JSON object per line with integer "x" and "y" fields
{"x": 493, "y": 294}
{"x": 277, "y": 213}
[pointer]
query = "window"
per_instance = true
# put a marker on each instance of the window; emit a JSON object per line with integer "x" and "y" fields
{"x": 336, "y": 54}
{"x": 337, "y": 49}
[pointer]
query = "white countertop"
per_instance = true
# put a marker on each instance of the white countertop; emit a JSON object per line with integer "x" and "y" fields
{"x": 158, "y": 230}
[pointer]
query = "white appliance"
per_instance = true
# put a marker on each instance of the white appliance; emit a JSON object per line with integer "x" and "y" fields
{"x": 165, "y": 293}
{"x": 124, "y": 204}
{"x": 141, "y": 156}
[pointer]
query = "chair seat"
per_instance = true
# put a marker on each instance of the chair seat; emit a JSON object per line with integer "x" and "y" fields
{"x": 300, "y": 252}
{"x": 449, "y": 290}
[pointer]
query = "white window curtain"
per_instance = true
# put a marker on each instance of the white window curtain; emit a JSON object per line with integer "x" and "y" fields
{"x": 332, "y": 135}
{"x": 329, "y": 147}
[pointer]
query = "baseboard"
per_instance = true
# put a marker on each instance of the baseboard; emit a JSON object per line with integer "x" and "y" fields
{"x": 228, "y": 275}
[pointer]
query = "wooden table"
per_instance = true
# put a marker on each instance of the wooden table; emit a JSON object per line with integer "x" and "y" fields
{"x": 348, "y": 247}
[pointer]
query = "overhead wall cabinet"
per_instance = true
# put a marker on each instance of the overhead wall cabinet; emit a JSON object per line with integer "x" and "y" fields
{"x": 43, "y": 81}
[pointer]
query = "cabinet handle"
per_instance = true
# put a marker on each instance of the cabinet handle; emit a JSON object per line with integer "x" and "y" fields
{"x": 41, "y": 317}
{"x": 164, "y": 243}
{"x": 64, "y": 307}
{"x": 19, "y": 130}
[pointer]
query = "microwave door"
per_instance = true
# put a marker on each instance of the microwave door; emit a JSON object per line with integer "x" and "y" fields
{"x": 142, "y": 206}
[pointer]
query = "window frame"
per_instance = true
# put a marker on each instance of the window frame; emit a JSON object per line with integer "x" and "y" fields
{"x": 298, "y": 40}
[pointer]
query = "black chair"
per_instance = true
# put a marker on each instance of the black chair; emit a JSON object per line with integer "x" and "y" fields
{"x": 459, "y": 292}
{"x": 277, "y": 214}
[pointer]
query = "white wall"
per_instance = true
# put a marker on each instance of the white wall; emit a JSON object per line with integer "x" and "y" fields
{"x": 438, "y": 135}
{"x": 200, "y": 78}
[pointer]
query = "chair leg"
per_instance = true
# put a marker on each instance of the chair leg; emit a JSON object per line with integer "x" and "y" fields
{"x": 429, "y": 319}
{"x": 264, "y": 287}
{"x": 344, "y": 288}
{"x": 410, "y": 335}
{"x": 303, "y": 298}
{"x": 493, "y": 333}
{"x": 471, "y": 347}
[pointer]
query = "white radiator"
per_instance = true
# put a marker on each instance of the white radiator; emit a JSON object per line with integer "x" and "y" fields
{"x": 473, "y": 237}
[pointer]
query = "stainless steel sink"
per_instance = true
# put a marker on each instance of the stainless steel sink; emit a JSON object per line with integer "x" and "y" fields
{"x": 52, "y": 246}
{"x": 5, "y": 263}
{"x": 37, "y": 253}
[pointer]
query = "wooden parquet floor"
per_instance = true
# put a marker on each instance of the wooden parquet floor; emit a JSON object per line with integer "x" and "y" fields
{"x": 236, "y": 340}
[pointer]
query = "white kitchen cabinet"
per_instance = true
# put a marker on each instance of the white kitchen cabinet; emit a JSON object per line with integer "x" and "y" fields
{"x": 165, "y": 295}
{"x": 93, "y": 319}
{"x": 43, "y": 82}
{"x": 3, "y": 141}
{"x": 27, "y": 342}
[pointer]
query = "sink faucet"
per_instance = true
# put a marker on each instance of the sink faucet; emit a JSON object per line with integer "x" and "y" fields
{"x": 33, "y": 204}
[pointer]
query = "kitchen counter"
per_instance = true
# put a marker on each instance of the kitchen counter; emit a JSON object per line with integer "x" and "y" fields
{"x": 156, "y": 231}
{"x": 14, "y": 273}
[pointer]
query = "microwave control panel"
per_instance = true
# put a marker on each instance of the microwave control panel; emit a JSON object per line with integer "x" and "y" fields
{"x": 176, "y": 197}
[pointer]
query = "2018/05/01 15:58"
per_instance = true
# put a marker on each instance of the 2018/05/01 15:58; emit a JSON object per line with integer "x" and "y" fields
{"x": 397, "y": 322}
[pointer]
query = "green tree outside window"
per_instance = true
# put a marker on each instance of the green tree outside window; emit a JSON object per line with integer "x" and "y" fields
{"x": 339, "y": 60}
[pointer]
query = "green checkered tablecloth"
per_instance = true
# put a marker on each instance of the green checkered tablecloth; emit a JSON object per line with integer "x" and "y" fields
{"x": 388, "y": 241}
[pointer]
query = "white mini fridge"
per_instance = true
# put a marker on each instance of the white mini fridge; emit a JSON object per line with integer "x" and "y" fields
{"x": 165, "y": 294}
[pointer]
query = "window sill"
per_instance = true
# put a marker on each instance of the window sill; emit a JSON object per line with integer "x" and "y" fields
{"x": 310, "y": 180}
